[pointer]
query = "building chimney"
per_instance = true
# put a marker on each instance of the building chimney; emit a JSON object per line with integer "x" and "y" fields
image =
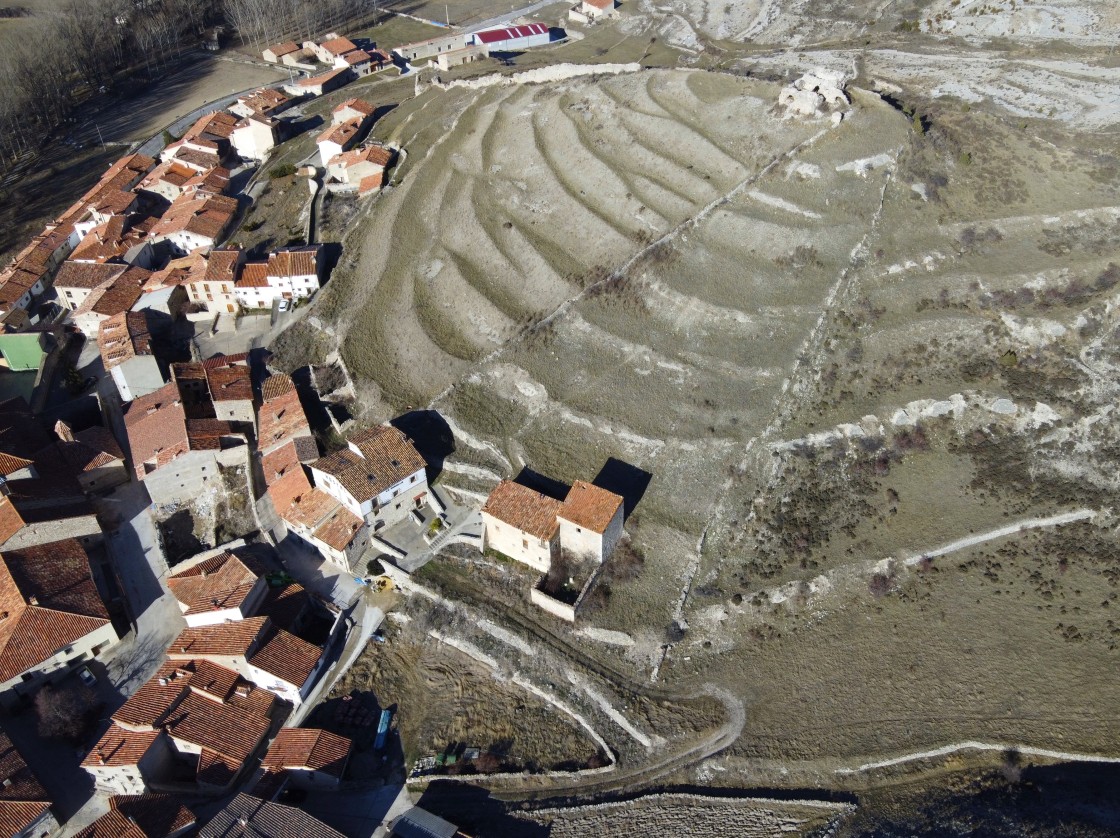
{"x": 63, "y": 431}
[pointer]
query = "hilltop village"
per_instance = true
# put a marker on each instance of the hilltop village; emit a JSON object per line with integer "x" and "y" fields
{"x": 193, "y": 550}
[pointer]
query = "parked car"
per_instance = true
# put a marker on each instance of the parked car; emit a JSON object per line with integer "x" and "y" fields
{"x": 285, "y": 305}
{"x": 88, "y": 678}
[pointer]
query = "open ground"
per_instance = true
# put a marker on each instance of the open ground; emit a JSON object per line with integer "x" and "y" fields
{"x": 835, "y": 347}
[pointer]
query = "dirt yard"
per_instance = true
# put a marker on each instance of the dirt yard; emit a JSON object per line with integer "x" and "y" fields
{"x": 445, "y": 702}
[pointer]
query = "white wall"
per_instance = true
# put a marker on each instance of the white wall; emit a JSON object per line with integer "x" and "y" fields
{"x": 77, "y": 652}
{"x": 512, "y": 542}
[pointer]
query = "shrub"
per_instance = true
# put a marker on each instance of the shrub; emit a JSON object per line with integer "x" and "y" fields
{"x": 282, "y": 170}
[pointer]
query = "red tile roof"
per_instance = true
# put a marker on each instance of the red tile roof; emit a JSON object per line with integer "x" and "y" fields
{"x": 48, "y": 600}
{"x": 339, "y": 528}
{"x": 235, "y": 638}
{"x": 371, "y": 183}
{"x": 524, "y": 509}
{"x": 316, "y": 81}
{"x": 23, "y": 800}
{"x": 120, "y": 746}
{"x": 316, "y": 750}
{"x": 203, "y": 215}
{"x": 286, "y": 656}
{"x": 253, "y": 275}
{"x": 338, "y": 46}
{"x": 359, "y": 105}
{"x": 157, "y": 427}
{"x": 229, "y": 384}
{"x": 220, "y": 582}
{"x": 289, "y": 263}
{"x": 342, "y": 133}
{"x": 377, "y": 155}
{"x": 10, "y": 520}
{"x": 283, "y": 49}
{"x": 122, "y": 337}
{"x": 204, "y": 705}
{"x": 140, "y": 816}
{"x": 387, "y": 457}
{"x": 86, "y": 275}
{"x": 590, "y": 507}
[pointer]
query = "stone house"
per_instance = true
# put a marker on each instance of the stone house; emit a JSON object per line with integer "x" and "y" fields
{"x": 533, "y": 528}
{"x": 521, "y": 523}
{"x": 379, "y": 476}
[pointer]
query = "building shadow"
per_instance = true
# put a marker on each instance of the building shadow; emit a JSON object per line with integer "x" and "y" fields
{"x": 475, "y": 812}
{"x": 431, "y": 435}
{"x": 624, "y": 479}
{"x": 541, "y": 483}
{"x": 332, "y": 252}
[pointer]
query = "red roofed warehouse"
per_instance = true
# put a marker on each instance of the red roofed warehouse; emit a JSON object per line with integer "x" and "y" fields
{"x": 511, "y": 37}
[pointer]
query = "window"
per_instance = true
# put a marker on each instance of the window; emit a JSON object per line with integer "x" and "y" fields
{"x": 524, "y": 544}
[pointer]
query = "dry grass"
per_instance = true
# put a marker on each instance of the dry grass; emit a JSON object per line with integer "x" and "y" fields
{"x": 444, "y": 700}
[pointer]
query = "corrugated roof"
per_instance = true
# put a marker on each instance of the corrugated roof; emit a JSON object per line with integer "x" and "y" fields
{"x": 491, "y": 36}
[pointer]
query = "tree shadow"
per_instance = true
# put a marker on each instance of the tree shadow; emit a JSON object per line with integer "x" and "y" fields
{"x": 431, "y": 435}
{"x": 624, "y": 479}
{"x": 540, "y": 483}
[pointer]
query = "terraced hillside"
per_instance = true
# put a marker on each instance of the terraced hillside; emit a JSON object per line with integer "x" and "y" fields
{"x": 866, "y": 363}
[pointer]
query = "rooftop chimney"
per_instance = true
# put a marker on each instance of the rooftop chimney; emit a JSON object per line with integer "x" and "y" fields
{"x": 63, "y": 431}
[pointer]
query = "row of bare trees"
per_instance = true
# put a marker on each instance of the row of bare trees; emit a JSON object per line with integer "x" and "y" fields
{"x": 57, "y": 59}
{"x": 265, "y": 22}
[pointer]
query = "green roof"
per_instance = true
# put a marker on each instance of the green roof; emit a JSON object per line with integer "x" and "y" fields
{"x": 21, "y": 351}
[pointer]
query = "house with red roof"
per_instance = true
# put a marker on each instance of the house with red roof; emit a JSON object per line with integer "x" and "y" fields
{"x": 25, "y": 806}
{"x": 533, "y": 528}
{"x": 289, "y": 274}
{"x": 308, "y": 758}
{"x": 52, "y": 617}
{"x": 360, "y": 169}
{"x": 591, "y": 11}
{"x": 177, "y": 454}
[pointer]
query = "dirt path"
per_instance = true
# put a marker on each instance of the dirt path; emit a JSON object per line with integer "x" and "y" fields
{"x": 1000, "y": 532}
{"x": 977, "y": 746}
